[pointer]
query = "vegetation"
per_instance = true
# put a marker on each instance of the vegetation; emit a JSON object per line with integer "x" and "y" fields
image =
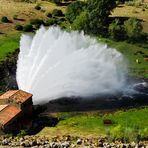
{"x": 37, "y": 7}
{"x": 125, "y": 35}
{"x": 8, "y": 44}
{"x": 57, "y": 12}
{"x": 4, "y": 19}
{"x": 74, "y": 9}
{"x": 133, "y": 28}
{"x": 19, "y": 27}
{"x": 132, "y": 52}
{"x": 126, "y": 125}
{"x": 28, "y": 28}
{"x": 57, "y": 2}
{"x": 116, "y": 30}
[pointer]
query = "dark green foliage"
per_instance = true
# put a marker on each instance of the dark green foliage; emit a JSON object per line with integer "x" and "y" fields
{"x": 37, "y": 7}
{"x": 50, "y": 22}
{"x": 74, "y": 9}
{"x": 4, "y": 19}
{"x": 57, "y": 12}
{"x": 133, "y": 28}
{"x": 19, "y": 27}
{"x": 49, "y": 14}
{"x": 80, "y": 21}
{"x": 98, "y": 15}
{"x": 37, "y": 23}
{"x": 116, "y": 30}
{"x": 21, "y": 134}
{"x": 57, "y": 2}
{"x": 28, "y": 28}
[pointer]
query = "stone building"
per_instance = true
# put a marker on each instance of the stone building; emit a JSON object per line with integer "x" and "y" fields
{"x": 15, "y": 110}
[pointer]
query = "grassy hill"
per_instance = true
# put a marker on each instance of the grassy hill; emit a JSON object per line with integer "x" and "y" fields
{"x": 124, "y": 124}
{"x": 130, "y": 123}
{"x": 23, "y": 12}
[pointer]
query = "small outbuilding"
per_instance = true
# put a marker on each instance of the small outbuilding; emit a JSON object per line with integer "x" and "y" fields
{"x": 16, "y": 108}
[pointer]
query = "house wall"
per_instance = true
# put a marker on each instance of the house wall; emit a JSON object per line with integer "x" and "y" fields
{"x": 14, "y": 125}
{"x": 27, "y": 107}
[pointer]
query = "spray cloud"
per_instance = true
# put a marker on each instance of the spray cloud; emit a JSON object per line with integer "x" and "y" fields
{"x": 55, "y": 63}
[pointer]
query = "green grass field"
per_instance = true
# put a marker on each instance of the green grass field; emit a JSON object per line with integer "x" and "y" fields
{"x": 8, "y": 44}
{"x": 132, "y": 52}
{"x": 133, "y": 122}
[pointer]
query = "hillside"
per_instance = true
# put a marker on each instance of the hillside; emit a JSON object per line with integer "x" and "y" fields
{"x": 124, "y": 124}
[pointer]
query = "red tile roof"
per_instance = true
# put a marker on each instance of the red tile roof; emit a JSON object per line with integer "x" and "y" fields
{"x": 8, "y": 94}
{"x": 3, "y": 106}
{"x": 8, "y": 113}
{"x": 17, "y": 95}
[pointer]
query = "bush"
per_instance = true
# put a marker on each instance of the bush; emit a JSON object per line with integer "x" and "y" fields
{"x": 57, "y": 2}
{"x": 37, "y": 7}
{"x": 19, "y": 27}
{"x": 21, "y": 134}
{"x": 74, "y": 9}
{"x": 98, "y": 18}
{"x": 37, "y": 23}
{"x": 28, "y": 28}
{"x": 80, "y": 21}
{"x": 117, "y": 132}
{"x": 116, "y": 30}
{"x": 133, "y": 28}
{"x": 4, "y": 19}
{"x": 57, "y": 12}
{"x": 49, "y": 14}
{"x": 50, "y": 22}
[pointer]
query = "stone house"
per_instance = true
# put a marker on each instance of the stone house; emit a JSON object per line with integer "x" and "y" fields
{"x": 15, "y": 110}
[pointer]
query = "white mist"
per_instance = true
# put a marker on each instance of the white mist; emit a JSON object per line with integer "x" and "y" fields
{"x": 55, "y": 63}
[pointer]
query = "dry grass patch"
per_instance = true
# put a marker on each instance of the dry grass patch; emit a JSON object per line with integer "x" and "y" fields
{"x": 23, "y": 12}
{"x": 132, "y": 11}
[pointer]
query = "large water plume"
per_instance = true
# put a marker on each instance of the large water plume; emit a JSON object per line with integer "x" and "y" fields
{"x": 55, "y": 63}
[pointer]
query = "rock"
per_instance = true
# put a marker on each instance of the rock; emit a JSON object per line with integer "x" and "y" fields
{"x": 5, "y": 142}
{"x": 100, "y": 144}
{"x": 22, "y": 144}
{"x": 79, "y": 141}
{"x": 26, "y": 143}
{"x": 65, "y": 145}
{"x": 133, "y": 144}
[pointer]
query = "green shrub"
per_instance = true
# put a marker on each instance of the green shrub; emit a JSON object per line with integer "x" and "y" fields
{"x": 117, "y": 132}
{"x": 57, "y": 2}
{"x": 57, "y": 12}
{"x": 4, "y": 19}
{"x": 22, "y": 133}
{"x": 98, "y": 16}
{"x": 36, "y": 23}
{"x": 115, "y": 30}
{"x": 28, "y": 28}
{"x": 133, "y": 28}
{"x": 80, "y": 21}
{"x": 49, "y": 15}
{"x": 50, "y": 22}
{"x": 37, "y": 7}
{"x": 19, "y": 27}
{"x": 74, "y": 9}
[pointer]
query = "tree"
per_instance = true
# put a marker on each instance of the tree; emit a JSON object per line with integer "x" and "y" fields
{"x": 80, "y": 21}
{"x": 99, "y": 11}
{"x": 133, "y": 28}
{"x": 116, "y": 30}
{"x": 74, "y": 9}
